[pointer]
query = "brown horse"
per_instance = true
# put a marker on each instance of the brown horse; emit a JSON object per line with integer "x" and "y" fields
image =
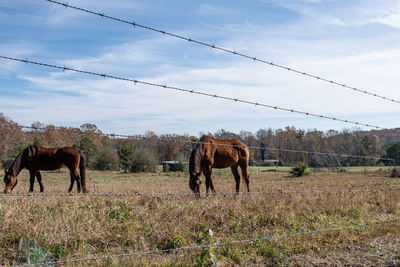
{"x": 35, "y": 159}
{"x": 212, "y": 153}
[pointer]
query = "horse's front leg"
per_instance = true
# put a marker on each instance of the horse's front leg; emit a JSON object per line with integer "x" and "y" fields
{"x": 31, "y": 180}
{"x": 212, "y": 186}
{"x": 39, "y": 179}
{"x": 209, "y": 183}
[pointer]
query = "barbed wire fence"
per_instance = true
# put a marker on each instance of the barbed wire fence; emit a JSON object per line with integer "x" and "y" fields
{"x": 250, "y": 240}
{"x": 181, "y": 194}
{"x": 216, "y": 244}
{"x": 233, "y": 52}
{"x": 176, "y": 194}
{"x": 217, "y": 96}
{"x": 191, "y": 91}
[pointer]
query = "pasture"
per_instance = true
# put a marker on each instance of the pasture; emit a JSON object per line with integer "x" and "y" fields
{"x": 81, "y": 226}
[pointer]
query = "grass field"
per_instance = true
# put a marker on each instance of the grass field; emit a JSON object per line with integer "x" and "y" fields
{"x": 83, "y": 226}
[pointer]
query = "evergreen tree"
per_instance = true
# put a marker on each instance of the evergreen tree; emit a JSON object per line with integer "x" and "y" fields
{"x": 86, "y": 146}
{"x": 125, "y": 154}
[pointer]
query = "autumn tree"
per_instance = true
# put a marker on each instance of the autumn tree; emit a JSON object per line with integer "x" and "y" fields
{"x": 12, "y": 140}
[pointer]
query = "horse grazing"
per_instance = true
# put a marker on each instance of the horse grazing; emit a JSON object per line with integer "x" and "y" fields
{"x": 212, "y": 153}
{"x": 36, "y": 159}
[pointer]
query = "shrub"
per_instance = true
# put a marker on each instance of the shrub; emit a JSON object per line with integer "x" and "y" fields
{"x": 143, "y": 160}
{"x": 107, "y": 159}
{"x": 299, "y": 169}
{"x": 181, "y": 165}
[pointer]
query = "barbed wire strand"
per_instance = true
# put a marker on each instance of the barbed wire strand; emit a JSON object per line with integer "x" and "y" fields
{"x": 104, "y": 75}
{"x": 176, "y": 194}
{"x": 218, "y": 244}
{"x": 233, "y": 52}
{"x": 139, "y": 137}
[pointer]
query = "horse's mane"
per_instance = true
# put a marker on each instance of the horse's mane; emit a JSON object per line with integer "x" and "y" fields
{"x": 18, "y": 165}
{"x": 195, "y": 157}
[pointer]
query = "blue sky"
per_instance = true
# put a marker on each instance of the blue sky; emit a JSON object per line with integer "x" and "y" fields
{"x": 352, "y": 42}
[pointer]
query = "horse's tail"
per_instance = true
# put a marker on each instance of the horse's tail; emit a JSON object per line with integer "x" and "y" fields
{"x": 82, "y": 172}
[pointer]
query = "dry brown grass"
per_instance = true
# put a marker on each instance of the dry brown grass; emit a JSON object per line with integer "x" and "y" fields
{"x": 75, "y": 227}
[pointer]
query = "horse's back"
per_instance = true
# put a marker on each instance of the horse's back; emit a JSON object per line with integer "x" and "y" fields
{"x": 56, "y": 158}
{"x": 225, "y": 153}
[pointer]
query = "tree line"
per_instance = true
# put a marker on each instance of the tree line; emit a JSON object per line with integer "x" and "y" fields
{"x": 105, "y": 152}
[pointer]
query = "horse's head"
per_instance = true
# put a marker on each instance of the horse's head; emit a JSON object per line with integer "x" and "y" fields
{"x": 194, "y": 182}
{"x": 10, "y": 180}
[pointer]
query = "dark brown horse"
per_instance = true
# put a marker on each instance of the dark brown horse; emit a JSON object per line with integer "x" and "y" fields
{"x": 36, "y": 159}
{"x": 212, "y": 153}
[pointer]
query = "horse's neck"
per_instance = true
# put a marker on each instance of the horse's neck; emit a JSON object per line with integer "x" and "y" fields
{"x": 17, "y": 165}
{"x": 198, "y": 158}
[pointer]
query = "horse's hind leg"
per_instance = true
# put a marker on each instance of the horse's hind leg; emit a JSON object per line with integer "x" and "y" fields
{"x": 246, "y": 176}
{"x": 236, "y": 174}
{"x": 78, "y": 182}
{"x": 39, "y": 179}
{"x": 75, "y": 177}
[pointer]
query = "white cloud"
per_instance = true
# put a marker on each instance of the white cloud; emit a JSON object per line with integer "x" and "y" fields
{"x": 366, "y": 62}
{"x": 347, "y": 13}
{"x": 211, "y": 10}
{"x": 108, "y": 100}
{"x": 391, "y": 17}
